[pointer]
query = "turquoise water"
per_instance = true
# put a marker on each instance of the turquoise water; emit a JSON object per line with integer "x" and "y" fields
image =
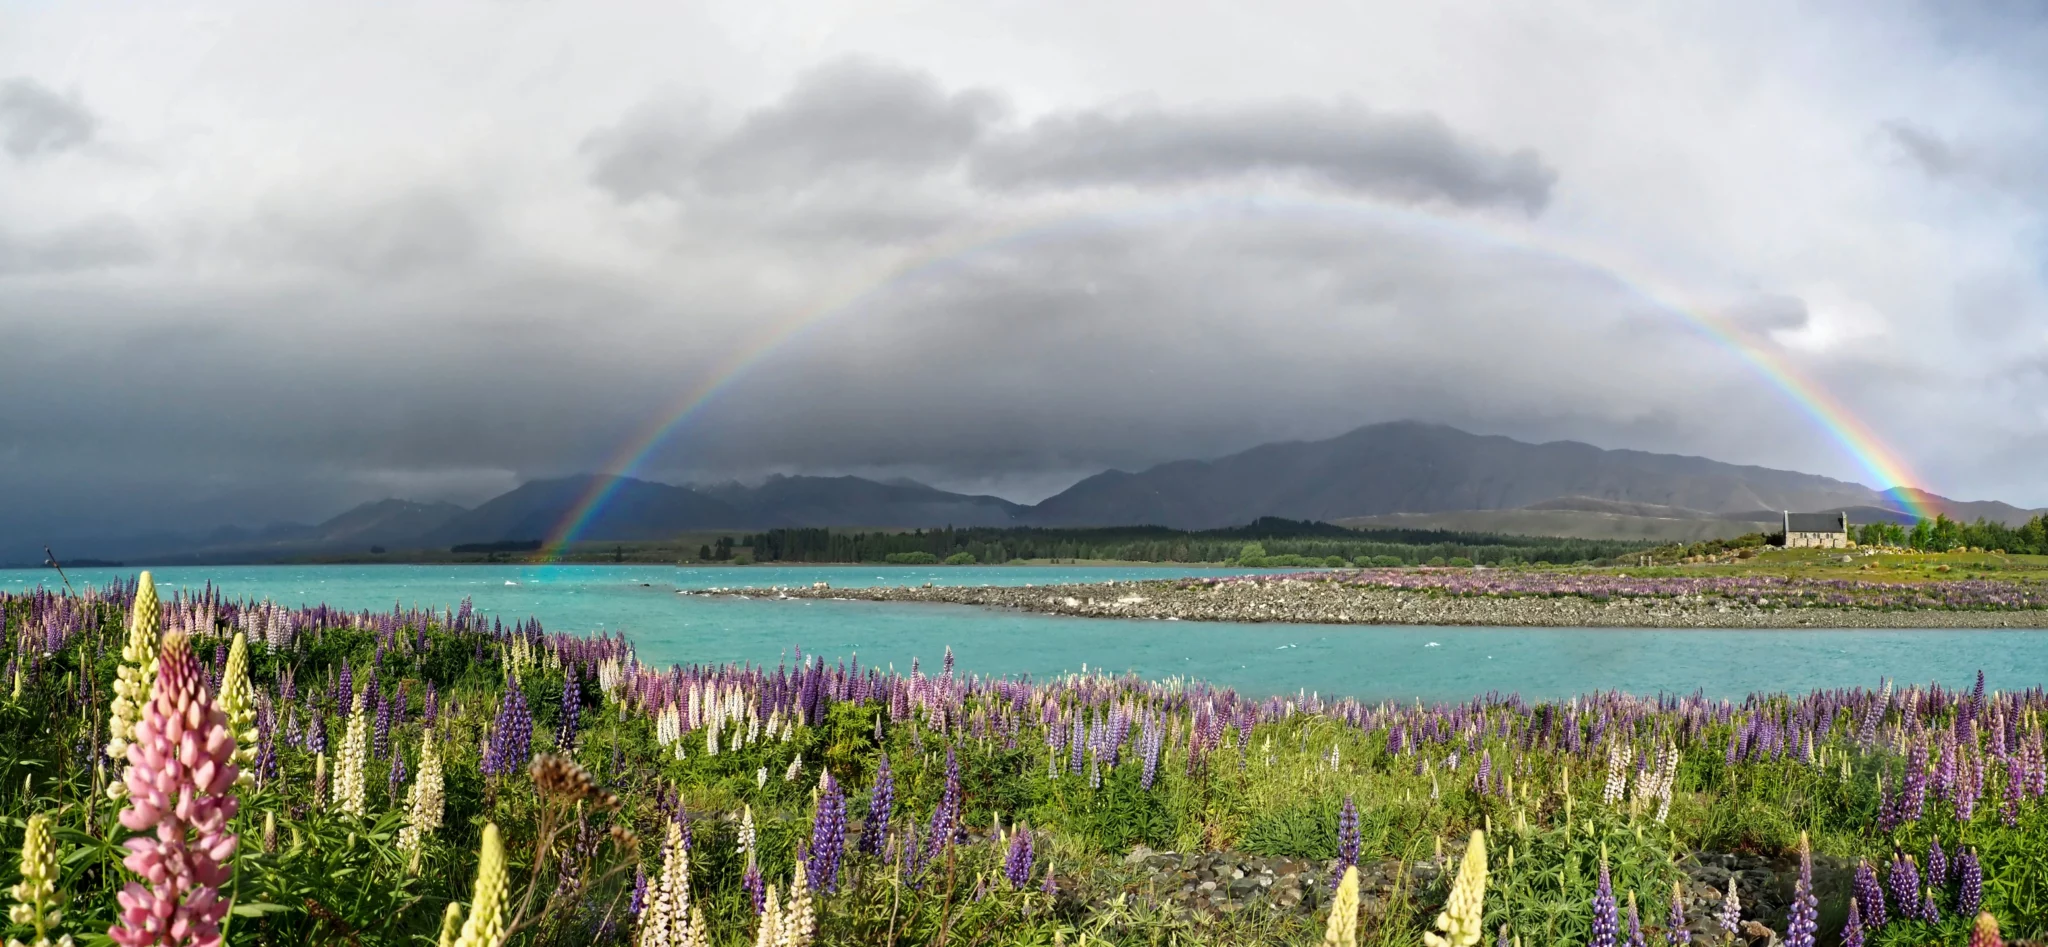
{"x": 1368, "y": 662}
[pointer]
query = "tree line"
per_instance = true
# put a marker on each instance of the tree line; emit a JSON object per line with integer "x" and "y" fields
{"x": 1942, "y": 534}
{"x": 1271, "y": 541}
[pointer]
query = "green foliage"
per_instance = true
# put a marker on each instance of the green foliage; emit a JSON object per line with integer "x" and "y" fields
{"x": 1268, "y": 542}
{"x": 1303, "y": 830}
{"x": 961, "y": 558}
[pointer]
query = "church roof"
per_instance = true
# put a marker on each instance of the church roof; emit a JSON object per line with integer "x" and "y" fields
{"x": 1813, "y": 522}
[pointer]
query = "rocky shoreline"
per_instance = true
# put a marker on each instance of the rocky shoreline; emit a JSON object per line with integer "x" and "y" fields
{"x": 1336, "y": 603}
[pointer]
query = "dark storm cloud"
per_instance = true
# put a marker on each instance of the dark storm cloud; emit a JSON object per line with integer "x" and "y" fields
{"x": 1407, "y": 156}
{"x": 36, "y": 120}
{"x": 857, "y": 116}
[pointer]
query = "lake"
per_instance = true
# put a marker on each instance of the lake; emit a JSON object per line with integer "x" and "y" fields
{"x": 1433, "y": 663}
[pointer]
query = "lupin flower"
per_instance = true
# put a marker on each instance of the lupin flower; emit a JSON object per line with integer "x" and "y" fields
{"x": 238, "y": 701}
{"x": 396, "y": 778}
{"x": 1904, "y": 882}
{"x": 1730, "y": 915}
{"x": 511, "y": 743}
{"x": 1869, "y": 895}
{"x": 1347, "y": 838}
{"x": 1937, "y": 864}
{"x": 664, "y": 922}
{"x": 1929, "y": 912}
{"x": 799, "y": 916}
{"x": 1803, "y": 918}
{"x": 1970, "y": 883}
{"x": 380, "y": 733}
{"x": 572, "y": 711}
{"x": 1460, "y": 919}
{"x": 946, "y": 817}
{"x": 1342, "y": 928}
{"x": 427, "y": 801}
{"x": 881, "y": 805}
{"x": 1635, "y": 924}
{"x": 136, "y": 677}
{"x": 351, "y": 789}
{"x": 181, "y": 770}
{"x": 486, "y": 922}
{"x": 828, "y": 834}
{"x": 768, "y": 929}
{"x": 1017, "y": 867}
{"x": 757, "y": 895}
{"x": 1676, "y": 933}
{"x": 1984, "y": 933}
{"x": 37, "y": 902}
{"x": 1606, "y": 918}
{"x": 1853, "y": 934}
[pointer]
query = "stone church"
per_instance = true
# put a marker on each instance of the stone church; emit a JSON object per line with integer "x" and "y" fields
{"x": 1817, "y": 530}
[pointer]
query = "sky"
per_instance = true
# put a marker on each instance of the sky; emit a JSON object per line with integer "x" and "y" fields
{"x": 265, "y": 260}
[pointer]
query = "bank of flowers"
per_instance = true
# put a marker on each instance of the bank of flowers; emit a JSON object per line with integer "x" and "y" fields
{"x": 314, "y": 776}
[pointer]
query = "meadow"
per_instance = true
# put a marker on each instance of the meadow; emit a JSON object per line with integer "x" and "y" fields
{"x": 201, "y": 770}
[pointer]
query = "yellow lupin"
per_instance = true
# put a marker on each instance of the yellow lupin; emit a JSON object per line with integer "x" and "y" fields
{"x": 237, "y": 700}
{"x": 1459, "y": 921}
{"x": 486, "y": 923}
{"x": 135, "y": 680}
{"x": 1342, "y": 930}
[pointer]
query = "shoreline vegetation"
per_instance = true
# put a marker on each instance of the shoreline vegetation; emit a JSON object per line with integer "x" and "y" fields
{"x": 263, "y": 775}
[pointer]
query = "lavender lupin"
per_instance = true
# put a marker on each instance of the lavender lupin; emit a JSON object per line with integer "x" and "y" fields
{"x": 1904, "y": 882}
{"x": 881, "y": 805}
{"x": 1869, "y": 895}
{"x": 1017, "y": 866}
{"x": 1969, "y": 883}
{"x": 828, "y": 835}
{"x": 1803, "y": 917}
{"x": 1937, "y": 864}
{"x": 572, "y": 711}
{"x": 1347, "y": 840}
{"x": 1676, "y": 933}
{"x": 1852, "y": 929}
{"x": 1606, "y": 917}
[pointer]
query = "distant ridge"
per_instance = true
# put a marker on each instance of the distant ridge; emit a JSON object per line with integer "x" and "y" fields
{"x": 1401, "y": 474}
{"x": 1410, "y": 467}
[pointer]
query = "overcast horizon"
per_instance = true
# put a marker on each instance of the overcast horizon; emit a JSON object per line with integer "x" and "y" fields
{"x": 262, "y": 261}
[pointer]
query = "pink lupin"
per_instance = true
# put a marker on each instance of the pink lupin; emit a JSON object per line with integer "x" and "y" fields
{"x": 181, "y": 773}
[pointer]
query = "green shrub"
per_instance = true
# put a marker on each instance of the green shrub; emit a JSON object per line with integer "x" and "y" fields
{"x": 960, "y": 559}
{"x": 919, "y": 558}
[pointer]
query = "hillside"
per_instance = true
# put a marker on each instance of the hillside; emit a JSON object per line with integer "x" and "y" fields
{"x": 852, "y": 501}
{"x": 1408, "y": 467}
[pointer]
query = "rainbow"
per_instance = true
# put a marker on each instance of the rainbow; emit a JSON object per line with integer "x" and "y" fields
{"x": 1859, "y": 442}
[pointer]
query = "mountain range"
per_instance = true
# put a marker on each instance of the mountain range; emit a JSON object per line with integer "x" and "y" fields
{"x": 1399, "y": 473}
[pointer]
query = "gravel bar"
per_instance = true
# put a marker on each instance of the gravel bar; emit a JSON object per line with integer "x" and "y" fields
{"x": 1337, "y": 603}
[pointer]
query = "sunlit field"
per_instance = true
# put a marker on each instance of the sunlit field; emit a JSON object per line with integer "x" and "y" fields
{"x": 191, "y": 771}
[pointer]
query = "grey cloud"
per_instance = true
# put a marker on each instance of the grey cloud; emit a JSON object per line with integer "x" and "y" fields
{"x": 1925, "y": 149}
{"x": 35, "y": 120}
{"x": 1412, "y": 156}
{"x": 852, "y": 115}
{"x": 390, "y": 236}
{"x": 1771, "y": 313}
{"x": 859, "y": 116}
{"x": 109, "y": 241}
